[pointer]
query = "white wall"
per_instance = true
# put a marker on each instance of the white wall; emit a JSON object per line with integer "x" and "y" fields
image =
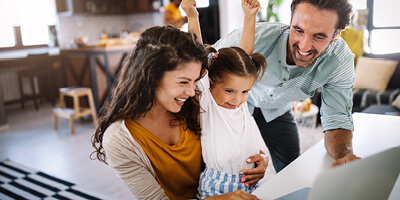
{"x": 231, "y": 14}
{"x": 284, "y": 11}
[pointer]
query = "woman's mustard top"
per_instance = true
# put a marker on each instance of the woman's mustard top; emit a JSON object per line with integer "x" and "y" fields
{"x": 177, "y": 167}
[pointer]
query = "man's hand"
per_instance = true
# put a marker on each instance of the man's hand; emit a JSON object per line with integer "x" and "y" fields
{"x": 338, "y": 145}
{"x": 252, "y": 176}
{"x": 344, "y": 160}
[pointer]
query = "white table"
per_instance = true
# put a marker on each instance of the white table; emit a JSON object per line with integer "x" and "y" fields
{"x": 372, "y": 134}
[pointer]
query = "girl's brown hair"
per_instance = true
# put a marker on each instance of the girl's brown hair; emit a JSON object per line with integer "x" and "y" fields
{"x": 234, "y": 60}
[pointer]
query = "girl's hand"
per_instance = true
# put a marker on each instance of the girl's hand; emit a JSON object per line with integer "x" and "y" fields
{"x": 189, "y": 6}
{"x": 252, "y": 176}
{"x": 250, "y": 7}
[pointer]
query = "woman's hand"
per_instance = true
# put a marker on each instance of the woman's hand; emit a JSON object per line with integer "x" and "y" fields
{"x": 252, "y": 176}
{"x": 189, "y": 6}
{"x": 236, "y": 195}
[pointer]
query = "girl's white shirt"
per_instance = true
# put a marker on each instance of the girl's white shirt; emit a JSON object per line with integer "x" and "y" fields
{"x": 229, "y": 136}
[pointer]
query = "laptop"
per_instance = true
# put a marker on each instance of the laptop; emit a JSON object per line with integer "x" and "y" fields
{"x": 371, "y": 178}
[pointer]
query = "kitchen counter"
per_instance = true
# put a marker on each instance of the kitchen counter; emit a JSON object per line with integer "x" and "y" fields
{"x": 21, "y": 53}
{"x": 97, "y": 49}
{"x": 94, "y": 67}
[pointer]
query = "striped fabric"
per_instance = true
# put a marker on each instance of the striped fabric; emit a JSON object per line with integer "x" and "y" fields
{"x": 19, "y": 182}
{"x": 214, "y": 182}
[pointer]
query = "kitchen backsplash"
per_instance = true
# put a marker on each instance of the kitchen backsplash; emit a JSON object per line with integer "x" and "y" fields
{"x": 93, "y": 26}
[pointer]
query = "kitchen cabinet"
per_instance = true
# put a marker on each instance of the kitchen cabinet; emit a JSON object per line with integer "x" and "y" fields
{"x": 69, "y": 7}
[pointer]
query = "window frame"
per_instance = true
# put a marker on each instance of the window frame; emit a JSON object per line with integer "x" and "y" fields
{"x": 370, "y": 24}
{"x": 18, "y": 42}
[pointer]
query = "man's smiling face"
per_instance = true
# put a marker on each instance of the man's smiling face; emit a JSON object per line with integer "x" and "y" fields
{"x": 311, "y": 31}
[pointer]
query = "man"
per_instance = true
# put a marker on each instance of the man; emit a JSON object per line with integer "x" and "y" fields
{"x": 301, "y": 58}
{"x": 172, "y": 14}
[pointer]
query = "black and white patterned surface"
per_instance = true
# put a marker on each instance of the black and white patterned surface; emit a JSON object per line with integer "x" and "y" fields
{"x": 20, "y": 182}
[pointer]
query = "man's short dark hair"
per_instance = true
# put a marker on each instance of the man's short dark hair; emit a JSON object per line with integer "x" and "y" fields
{"x": 342, "y": 7}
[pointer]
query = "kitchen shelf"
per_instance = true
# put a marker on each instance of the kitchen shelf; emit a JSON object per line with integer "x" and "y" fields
{"x": 103, "y": 7}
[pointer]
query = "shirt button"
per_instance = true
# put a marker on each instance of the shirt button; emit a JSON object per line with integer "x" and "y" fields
{"x": 271, "y": 95}
{"x": 280, "y": 85}
{"x": 284, "y": 79}
{"x": 349, "y": 107}
{"x": 286, "y": 68}
{"x": 279, "y": 61}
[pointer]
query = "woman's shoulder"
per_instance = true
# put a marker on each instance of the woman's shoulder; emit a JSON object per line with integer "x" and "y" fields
{"x": 113, "y": 129}
{"x": 117, "y": 134}
{"x": 118, "y": 141}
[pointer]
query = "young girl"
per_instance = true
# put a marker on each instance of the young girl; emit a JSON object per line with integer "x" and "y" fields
{"x": 229, "y": 133}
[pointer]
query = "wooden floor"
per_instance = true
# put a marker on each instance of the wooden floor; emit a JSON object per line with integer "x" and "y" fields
{"x": 31, "y": 141}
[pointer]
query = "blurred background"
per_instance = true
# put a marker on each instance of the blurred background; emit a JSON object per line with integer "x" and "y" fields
{"x": 46, "y": 45}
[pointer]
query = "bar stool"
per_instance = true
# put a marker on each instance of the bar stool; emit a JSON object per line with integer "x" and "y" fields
{"x": 29, "y": 74}
{"x": 76, "y": 111}
{"x": 39, "y": 74}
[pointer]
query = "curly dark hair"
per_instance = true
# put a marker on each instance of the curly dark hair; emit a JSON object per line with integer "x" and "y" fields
{"x": 234, "y": 60}
{"x": 342, "y": 7}
{"x": 159, "y": 49}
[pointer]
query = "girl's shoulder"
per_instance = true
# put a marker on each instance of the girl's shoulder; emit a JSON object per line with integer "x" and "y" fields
{"x": 204, "y": 83}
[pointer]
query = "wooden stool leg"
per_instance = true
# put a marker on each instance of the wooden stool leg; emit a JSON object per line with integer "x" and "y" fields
{"x": 62, "y": 105}
{"x": 77, "y": 107}
{"x": 93, "y": 109}
{"x": 55, "y": 122}
{"x": 71, "y": 124}
{"x": 34, "y": 95}
{"x": 21, "y": 90}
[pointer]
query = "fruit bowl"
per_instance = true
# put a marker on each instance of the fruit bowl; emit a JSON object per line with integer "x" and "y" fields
{"x": 80, "y": 41}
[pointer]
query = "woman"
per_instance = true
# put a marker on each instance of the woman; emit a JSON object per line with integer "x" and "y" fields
{"x": 150, "y": 129}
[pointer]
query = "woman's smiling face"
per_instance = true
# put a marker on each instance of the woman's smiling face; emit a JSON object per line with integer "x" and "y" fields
{"x": 177, "y": 86}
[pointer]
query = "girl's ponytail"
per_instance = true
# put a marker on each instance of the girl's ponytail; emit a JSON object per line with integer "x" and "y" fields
{"x": 261, "y": 64}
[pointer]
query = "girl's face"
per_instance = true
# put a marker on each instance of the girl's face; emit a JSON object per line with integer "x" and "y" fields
{"x": 177, "y": 86}
{"x": 232, "y": 91}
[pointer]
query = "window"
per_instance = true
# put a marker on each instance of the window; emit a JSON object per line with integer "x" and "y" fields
{"x": 26, "y": 20}
{"x": 7, "y": 36}
{"x": 202, "y": 3}
{"x": 384, "y": 26}
{"x": 386, "y": 13}
{"x": 359, "y": 4}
